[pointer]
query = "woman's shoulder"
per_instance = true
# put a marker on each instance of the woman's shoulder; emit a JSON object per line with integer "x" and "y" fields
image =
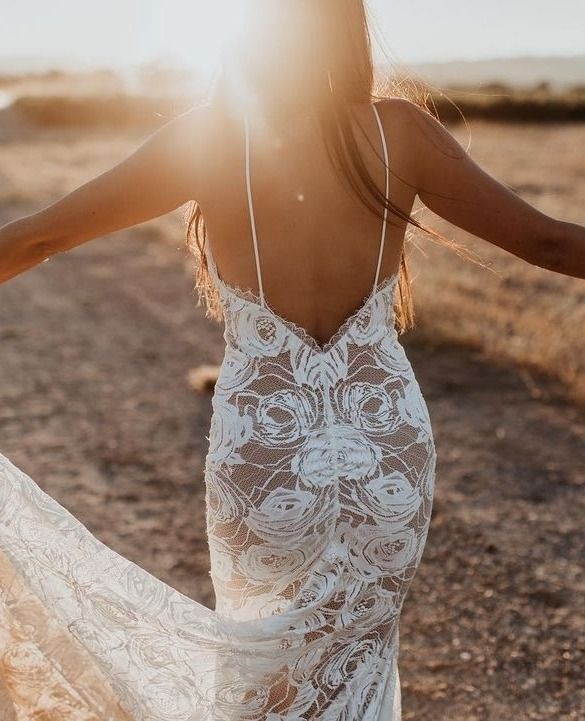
{"x": 415, "y": 128}
{"x": 400, "y": 109}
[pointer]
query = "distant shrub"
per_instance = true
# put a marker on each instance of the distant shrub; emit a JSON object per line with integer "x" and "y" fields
{"x": 99, "y": 110}
{"x": 495, "y": 87}
{"x": 537, "y": 105}
{"x": 490, "y": 101}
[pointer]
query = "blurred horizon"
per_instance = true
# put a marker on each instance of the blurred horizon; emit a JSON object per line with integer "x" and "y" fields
{"x": 559, "y": 73}
{"x": 187, "y": 33}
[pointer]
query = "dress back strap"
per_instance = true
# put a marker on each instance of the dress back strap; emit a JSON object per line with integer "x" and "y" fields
{"x": 386, "y": 166}
{"x": 251, "y": 204}
{"x": 251, "y": 209}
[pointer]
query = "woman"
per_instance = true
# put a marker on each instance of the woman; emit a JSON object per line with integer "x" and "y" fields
{"x": 321, "y": 464}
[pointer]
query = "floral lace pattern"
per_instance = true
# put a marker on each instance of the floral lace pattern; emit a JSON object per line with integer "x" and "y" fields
{"x": 320, "y": 480}
{"x": 319, "y": 486}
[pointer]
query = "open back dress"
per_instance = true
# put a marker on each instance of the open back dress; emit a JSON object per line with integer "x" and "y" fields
{"x": 319, "y": 486}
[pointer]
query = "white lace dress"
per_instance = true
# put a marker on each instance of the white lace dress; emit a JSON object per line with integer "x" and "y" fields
{"x": 319, "y": 488}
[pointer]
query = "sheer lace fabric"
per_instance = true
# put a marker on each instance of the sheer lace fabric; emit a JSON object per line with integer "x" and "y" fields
{"x": 319, "y": 485}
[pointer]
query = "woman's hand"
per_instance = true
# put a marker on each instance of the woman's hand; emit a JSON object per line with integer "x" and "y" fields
{"x": 451, "y": 184}
{"x": 158, "y": 177}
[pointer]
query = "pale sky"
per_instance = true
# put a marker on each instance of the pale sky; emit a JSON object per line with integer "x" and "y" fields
{"x": 111, "y": 33}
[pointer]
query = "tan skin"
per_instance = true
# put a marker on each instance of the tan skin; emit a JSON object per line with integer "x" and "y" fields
{"x": 318, "y": 255}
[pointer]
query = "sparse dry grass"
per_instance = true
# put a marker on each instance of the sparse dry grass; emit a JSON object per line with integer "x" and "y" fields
{"x": 114, "y": 111}
{"x": 101, "y": 99}
{"x": 499, "y": 102}
{"x": 119, "y": 110}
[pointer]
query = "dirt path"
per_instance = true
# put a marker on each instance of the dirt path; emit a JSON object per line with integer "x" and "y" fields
{"x": 95, "y": 348}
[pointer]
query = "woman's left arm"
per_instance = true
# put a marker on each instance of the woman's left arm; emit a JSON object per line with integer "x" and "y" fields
{"x": 158, "y": 177}
{"x": 451, "y": 184}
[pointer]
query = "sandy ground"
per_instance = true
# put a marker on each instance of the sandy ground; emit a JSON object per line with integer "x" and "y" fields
{"x": 95, "y": 350}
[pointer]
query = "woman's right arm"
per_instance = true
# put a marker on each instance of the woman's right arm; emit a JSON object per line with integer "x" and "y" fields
{"x": 163, "y": 173}
{"x": 451, "y": 184}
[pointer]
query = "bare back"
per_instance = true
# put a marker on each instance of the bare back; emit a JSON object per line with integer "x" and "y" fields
{"x": 318, "y": 244}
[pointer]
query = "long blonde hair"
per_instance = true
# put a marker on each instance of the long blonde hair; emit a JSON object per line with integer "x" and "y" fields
{"x": 316, "y": 56}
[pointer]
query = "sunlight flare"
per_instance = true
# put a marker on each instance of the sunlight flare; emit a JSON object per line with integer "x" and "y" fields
{"x": 215, "y": 27}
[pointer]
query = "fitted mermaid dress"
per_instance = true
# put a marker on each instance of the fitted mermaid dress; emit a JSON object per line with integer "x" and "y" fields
{"x": 319, "y": 486}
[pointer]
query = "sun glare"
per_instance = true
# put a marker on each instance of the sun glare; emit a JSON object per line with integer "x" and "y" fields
{"x": 213, "y": 27}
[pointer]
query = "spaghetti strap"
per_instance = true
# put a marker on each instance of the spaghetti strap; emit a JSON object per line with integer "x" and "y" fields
{"x": 251, "y": 209}
{"x": 251, "y": 204}
{"x": 386, "y": 166}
